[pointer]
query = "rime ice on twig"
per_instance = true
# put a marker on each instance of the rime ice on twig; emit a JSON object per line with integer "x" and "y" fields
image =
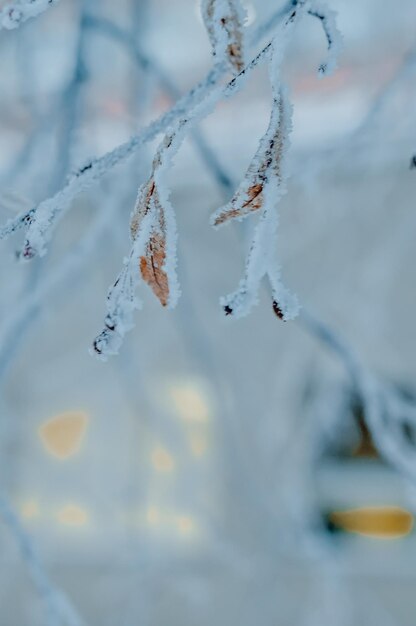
{"x": 249, "y": 196}
{"x": 152, "y": 257}
{"x": 260, "y": 191}
{"x": 42, "y": 218}
{"x": 158, "y": 262}
{"x": 261, "y": 261}
{"x": 153, "y": 229}
{"x": 333, "y": 37}
{"x": 224, "y": 21}
{"x": 12, "y": 15}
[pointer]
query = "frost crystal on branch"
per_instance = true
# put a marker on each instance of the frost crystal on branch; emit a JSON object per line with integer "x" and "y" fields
{"x": 152, "y": 257}
{"x": 333, "y": 37}
{"x": 158, "y": 262}
{"x": 224, "y": 21}
{"x": 153, "y": 225}
{"x": 267, "y": 162}
{"x": 14, "y": 14}
{"x": 260, "y": 191}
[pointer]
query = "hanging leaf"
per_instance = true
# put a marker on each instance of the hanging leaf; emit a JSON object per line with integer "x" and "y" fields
{"x": 267, "y": 162}
{"x": 224, "y": 22}
{"x": 152, "y": 262}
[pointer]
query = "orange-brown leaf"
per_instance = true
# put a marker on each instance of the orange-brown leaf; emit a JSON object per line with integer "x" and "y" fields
{"x": 151, "y": 267}
{"x": 230, "y": 23}
{"x": 266, "y": 164}
{"x": 252, "y": 204}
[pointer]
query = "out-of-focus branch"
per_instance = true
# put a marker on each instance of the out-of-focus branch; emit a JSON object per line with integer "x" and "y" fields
{"x": 385, "y": 412}
{"x": 149, "y": 64}
{"x": 59, "y": 609}
{"x": 70, "y": 100}
{"x": 15, "y": 326}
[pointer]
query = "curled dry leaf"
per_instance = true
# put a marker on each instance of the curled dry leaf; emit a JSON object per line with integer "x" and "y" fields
{"x": 224, "y": 23}
{"x": 152, "y": 262}
{"x": 267, "y": 161}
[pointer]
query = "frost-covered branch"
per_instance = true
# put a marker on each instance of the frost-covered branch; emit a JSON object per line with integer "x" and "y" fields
{"x": 149, "y": 64}
{"x": 260, "y": 191}
{"x": 153, "y": 253}
{"x": 224, "y": 20}
{"x": 327, "y": 18}
{"x": 154, "y": 234}
{"x": 15, "y": 325}
{"x": 42, "y": 218}
{"x": 13, "y": 14}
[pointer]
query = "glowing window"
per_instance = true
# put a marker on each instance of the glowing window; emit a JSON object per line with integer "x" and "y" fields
{"x": 162, "y": 461}
{"x": 190, "y": 403}
{"x": 63, "y": 435}
{"x": 185, "y": 525}
{"x": 198, "y": 444}
{"x": 29, "y": 509}
{"x": 72, "y": 515}
{"x": 381, "y": 522}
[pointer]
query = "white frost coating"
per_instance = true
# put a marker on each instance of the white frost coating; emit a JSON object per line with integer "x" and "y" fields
{"x": 260, "y": 191}
{"x": 224, "y": 21}
{"x": 12, "y": 15}
{"x": 171, "y": 235}
{"x": 121, "y": 299}
{"x": 261, "y": 261}
{"x": 333, "y": 36}
{"x": 43, "y": 218}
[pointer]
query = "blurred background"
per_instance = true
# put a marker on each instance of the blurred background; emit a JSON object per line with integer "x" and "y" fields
{"x": 215, "y": 471}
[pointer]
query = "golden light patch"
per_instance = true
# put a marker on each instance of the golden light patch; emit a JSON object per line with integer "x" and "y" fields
{"x": 63, "y": 435}
{"x": 382, "y": 522}
{"x": 29, "y": 509}
{"x": 185, "y": 525}
{"x": 152, "y": 516}
{"x": 190, "y": 403}
{"x": 162, "y": 461}
{"x": 72, "y": 515}
{"x": 198, "y": 444}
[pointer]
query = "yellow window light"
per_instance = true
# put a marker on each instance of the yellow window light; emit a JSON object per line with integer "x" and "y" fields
{"x": 198, "y": 444}
{"x": 190, "y": 403}
{"x": 153, "y": 517}
{"x": 29, "y": 509}
{"x": 63, "y": 435}
{"x": 383, "y": 522}
{"x": 72, "y": 515}
{"x": 185, "y": 525}
{"x": 162, "y": 460}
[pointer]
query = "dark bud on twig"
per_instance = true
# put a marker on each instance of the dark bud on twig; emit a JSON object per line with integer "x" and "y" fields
{"x": 278, "y": 311}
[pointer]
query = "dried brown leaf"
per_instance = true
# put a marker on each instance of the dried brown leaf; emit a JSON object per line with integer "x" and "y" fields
{"x": 151, "y": 268}
{"x": 268, "y": 159}
{"x": 152, "y": 262}
{"x": 225, "y": 23}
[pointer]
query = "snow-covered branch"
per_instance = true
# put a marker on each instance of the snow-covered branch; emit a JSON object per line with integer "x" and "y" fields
{"x": 224, "y": 20}
{"x": 13, "y": 14}
{"x": 42, "y": 218}
{"x": 153, "y": 227}
{"x": 327, "y": 18}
